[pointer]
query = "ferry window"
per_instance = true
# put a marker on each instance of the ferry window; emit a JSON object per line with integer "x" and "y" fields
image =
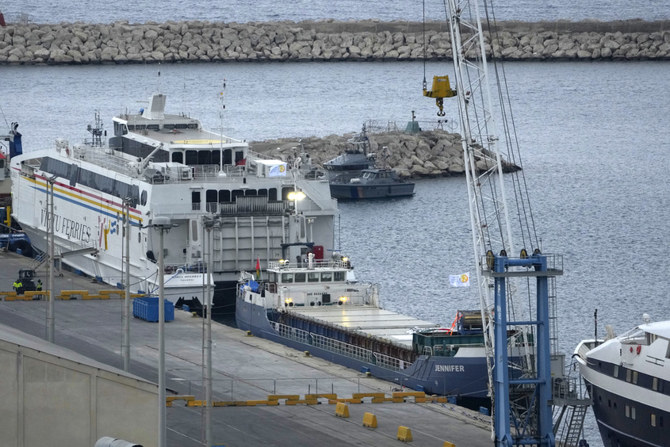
{"x": 204, "y": 157}
{"x": 627, "y": 411}
{"x": 193, "y": 126}
{"x": 300, "y": 277}
{"x": 632, "y": 413}
{"x": 228, "y": 157}
{"x": 272, "y": 276}
{"x": 273, "y": 194}
{"x": 250, "y": 192}
{"x": 616, "y": 371}
{"x": 237, "y": 193}
{"x": 326, "y": 276}
{"x": 286, "y": 277}
{"x": 178, "y": 157}
{"x": 263, "y": 192}
{"x": 143, "y": 198}
{"x": 239, "y": 156}
{"x": 628, "y": 375}
{"x": 338, "y": 276}
{"x": 654, "y": 384}
{"x": 313, "y": 277}
{"x": 195, "y": 198}
{"x": 211, "y": 195}
{"x": 153, "y": 127}
{"x": 168, "y": 126}
{"x": 74, "y": 174}
{"x": 191, "y": 157}
{"x": 635, "y": 377}
{"x": 216, "y": 157}
{"x": 653, "y": 420}
{"x": 224, "y": 196}
{"x": 285, "y": 191}
{"x": 105, "y": 184}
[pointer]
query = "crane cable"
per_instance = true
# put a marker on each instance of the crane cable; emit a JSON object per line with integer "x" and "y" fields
{"x": 423, "y": 26}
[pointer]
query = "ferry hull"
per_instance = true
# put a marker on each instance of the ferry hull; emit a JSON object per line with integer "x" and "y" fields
{"x": 464, "y": 378}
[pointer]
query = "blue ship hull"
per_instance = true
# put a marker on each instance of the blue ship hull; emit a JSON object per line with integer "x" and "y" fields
{"x": 463, "y": 378}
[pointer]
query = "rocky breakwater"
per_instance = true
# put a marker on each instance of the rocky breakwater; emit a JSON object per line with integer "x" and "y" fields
{"x": 123, "y": 43}
{"x": 425, "y": 154}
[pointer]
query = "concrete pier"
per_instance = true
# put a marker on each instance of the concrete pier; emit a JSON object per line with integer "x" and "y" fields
{"x": 248, "y": 373}
{"x": 202, "y": 41}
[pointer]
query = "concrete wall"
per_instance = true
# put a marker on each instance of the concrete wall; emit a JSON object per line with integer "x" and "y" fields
{"x": 53, "y": 399}
{"x": 123, "y": 43}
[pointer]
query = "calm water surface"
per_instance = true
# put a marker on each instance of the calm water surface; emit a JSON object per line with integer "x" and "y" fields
{"x": 594, "y": 138}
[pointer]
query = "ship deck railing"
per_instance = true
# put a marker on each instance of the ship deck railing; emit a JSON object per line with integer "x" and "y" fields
{"x": 340, "y": 347}
{"x": 316, "y": 263}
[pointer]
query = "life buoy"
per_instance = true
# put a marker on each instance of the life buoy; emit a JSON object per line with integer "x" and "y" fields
{"x": 639, "y": 348}
{"x": 631, "y": 349}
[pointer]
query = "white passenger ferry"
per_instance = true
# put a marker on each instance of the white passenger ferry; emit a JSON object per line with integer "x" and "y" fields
{"x": 159, "y": 166}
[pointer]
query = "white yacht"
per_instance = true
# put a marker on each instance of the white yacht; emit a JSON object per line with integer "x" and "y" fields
{"x": 628, "y": 379}
{"x": 160, "y": 167}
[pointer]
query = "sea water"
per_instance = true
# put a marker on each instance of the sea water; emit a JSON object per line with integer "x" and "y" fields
{"x": 594, "y": 140}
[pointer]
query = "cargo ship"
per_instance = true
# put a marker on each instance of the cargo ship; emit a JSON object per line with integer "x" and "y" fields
{"x": 318, "y": 306}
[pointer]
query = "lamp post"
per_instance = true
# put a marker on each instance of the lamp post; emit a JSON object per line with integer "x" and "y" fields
{"x": 51, "y": 322}
{"x": 209, "y": 223}
{"x": 125, "y": 348}
{"x": 162, "y": 224}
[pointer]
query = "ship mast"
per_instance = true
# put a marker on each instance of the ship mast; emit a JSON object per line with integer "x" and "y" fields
{"x": 519, "y": 383}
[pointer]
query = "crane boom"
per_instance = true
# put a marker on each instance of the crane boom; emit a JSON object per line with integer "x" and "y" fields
{"x": 519, "y": 381}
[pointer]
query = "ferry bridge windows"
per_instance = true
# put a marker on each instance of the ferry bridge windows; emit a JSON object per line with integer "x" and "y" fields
{"x": 178, "y": 157}
{"x": 326, "y": 276}
{"x": 204, "y": 157}
{"x": 120, "y": 129}
{"x": 227, "y": 196}
{"x": 338, "y": 276}
{"x": 300, "y": 277}
{"x": 313, "y": 277}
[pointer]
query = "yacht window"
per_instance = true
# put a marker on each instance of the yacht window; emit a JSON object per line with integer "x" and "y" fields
{"x": 338, "y": 276}
{"x": 313, "y": 277}
{"x": 178, "y": 157}
{"x": 300, "y": 277}
{"x": 326, "y": 276}
{"x": 286, "y": 277}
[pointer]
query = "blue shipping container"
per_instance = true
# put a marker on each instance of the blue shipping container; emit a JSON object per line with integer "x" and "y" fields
{"x": 147, "y": 309}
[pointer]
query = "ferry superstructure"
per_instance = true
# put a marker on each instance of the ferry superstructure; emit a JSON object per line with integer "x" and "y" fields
{"x": 159, "y": 165}
{"x": 628, "y": 379}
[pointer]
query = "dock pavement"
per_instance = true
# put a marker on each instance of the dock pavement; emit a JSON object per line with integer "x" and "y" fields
{"x": 248, "y": 372}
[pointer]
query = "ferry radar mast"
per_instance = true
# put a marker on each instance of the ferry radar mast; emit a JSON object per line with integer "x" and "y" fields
{"x": 521, "y": 390}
